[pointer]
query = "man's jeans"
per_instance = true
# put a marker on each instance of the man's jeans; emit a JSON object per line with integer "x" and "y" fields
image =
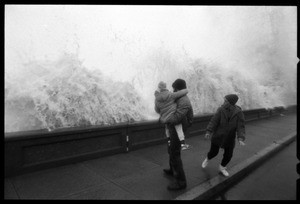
{"x": 175, "y": 162}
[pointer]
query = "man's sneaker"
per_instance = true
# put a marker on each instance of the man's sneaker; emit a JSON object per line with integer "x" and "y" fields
{"x": 223, "y": 170}
{"x": 168, "y": 172}
{"x": 175, "y": 186}
{"x": 184, "y": 146}
{"x": 205, "y": 163}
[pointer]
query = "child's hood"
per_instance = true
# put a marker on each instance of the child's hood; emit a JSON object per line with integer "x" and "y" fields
{"x": 162, "y": 96}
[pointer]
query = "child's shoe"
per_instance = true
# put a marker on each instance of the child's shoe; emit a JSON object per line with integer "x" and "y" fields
{"x": 184, "y": 146}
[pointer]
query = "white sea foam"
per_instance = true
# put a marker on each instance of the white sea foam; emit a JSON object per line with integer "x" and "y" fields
{"x": 79, "y": 66}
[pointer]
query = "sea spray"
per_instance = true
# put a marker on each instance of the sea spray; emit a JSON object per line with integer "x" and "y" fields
{"x": 69, "y": 98}
{"x": 209, "y": 83}
{"x": 67, "y": 94}
{"x": 100, "y": 65}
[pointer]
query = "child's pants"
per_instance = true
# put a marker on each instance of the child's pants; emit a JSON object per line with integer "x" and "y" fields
{"x": 178, "y": 130}
{"x": 214, "y": 150}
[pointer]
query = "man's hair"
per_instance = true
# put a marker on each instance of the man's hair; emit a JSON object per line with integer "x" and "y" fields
{"x": 179, "y": 84}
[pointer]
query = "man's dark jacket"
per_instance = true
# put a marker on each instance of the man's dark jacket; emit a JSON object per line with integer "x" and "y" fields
{"x": 184, "y": 113}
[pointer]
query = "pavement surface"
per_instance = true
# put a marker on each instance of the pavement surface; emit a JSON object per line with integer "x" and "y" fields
{"x": 138, "y": 175}
{"x": 275, "y": 179}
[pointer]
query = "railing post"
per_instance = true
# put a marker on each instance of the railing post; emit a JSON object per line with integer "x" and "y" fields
{"x": 127, "y": 143}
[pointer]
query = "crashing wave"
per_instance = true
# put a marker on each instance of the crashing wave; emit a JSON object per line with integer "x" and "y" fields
{"x": 66, "y": 94}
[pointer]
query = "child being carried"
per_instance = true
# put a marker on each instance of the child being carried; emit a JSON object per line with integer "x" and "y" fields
{"x": 165, "y": 105}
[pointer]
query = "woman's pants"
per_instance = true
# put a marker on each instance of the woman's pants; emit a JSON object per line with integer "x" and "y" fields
{"x": 214, "y": 150}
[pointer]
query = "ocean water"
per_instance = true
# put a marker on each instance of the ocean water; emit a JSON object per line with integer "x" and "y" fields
{"x": 103, "y": 74}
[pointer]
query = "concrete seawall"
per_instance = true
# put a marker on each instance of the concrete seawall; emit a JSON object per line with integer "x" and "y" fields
{"x": 36, "y": 150}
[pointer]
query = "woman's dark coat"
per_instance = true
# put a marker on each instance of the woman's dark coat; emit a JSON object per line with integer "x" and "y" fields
{"x": 227, "y": 122}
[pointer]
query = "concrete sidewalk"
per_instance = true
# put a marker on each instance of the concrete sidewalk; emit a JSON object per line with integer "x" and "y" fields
{"x": 138, "y": 174}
